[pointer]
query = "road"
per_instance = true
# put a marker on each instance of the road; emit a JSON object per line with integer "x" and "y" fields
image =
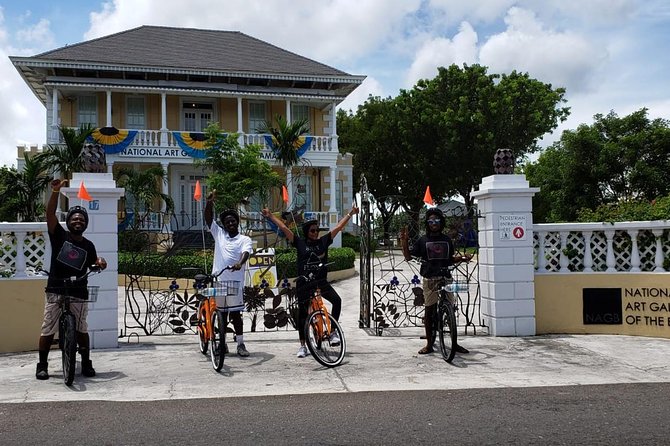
{"x": 569, "y": 415}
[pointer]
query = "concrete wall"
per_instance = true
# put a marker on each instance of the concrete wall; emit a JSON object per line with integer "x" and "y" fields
{"x": 21, "y": 315}
{"x": 644, "y": 308}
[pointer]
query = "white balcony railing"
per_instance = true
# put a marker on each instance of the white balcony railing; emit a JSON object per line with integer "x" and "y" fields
{"x": 147, "y": 138}
{"x": 638, "y": 246}
{"x": 23, "y": 247}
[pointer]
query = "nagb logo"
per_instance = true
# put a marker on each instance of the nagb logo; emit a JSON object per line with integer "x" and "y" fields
{"x": 602, "y": 306}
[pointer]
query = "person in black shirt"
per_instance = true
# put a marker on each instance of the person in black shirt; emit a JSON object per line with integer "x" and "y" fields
{"x": 71, "y": 255}
{"x": 312, "y": 257}
{"x": 436, "y": 252}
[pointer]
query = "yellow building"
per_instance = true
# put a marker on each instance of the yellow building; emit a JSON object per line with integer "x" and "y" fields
{"x": 154, "y": 89}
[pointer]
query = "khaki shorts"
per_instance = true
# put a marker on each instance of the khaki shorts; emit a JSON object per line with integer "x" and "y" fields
{"x": 52, "y": 313}
{"x": 431, "y": 291}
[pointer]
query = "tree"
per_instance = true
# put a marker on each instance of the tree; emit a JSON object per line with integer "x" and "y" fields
{"x": 9, "y": 205}
{"x": 614, "y": 160}
{"x": 30, "y": 186}
{"x": 285, "y": 138}
{"x": 237, "y": 172}
{"x": 66, "y": 158}
{"x": 444, "y": 132}
{"x": 142, "y": 187}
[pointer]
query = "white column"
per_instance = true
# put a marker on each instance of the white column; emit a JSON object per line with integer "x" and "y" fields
{"x": 165, "y": 186}
{"x": 103, "y": 318}
{"x": 54, "y": 117}
{"x": 164, "y": 128}
{"x": 240, "y": 122}
{"x": 334, "y": 143}
{"x": 506, "y": 265}
{"x": 288, "y": 111}
{"x": 109, "y": 108}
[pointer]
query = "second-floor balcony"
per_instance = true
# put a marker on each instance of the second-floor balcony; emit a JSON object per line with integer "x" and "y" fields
{"x": 132, "y": 142}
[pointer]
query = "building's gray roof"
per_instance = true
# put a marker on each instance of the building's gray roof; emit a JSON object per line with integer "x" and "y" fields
{"x": 194, "y": 49}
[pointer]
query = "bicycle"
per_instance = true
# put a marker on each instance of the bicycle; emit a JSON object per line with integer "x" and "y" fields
{"x": 67, "y": 323}
{"x": 446, "y": 327}
{"x": 321, "y": 329}
{"x": 214, "y": 299}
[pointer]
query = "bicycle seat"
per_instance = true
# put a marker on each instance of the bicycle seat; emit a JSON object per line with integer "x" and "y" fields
{"x": 200, "y": 277}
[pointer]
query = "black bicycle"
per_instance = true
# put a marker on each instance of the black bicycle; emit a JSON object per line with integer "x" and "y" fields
{"x": 447, "y": 308}
{"x": 67, "y": 323}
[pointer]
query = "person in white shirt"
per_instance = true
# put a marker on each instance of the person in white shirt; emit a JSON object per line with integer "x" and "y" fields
{"x": 230, "y": 249}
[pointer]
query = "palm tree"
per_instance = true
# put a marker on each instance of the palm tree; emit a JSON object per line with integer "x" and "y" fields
{"x": 66, "y": 158}
{"x": 285, "y": 138}
{"x": 30, "y": 185}
{"x": 142, "y": 187}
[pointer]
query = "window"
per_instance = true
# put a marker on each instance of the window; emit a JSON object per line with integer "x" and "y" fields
{"x": 87, "y": 111}
{"x": 300, "y": 111}
{"x": 197, "y": 116}
{"x": 338, "y": 197}
{"x": 135, "y": 118}
{"x": 302, "y": 192}
{"x": 256, "y": 116}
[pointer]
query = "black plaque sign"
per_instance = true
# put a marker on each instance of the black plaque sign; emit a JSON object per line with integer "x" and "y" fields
{"x": 602, "y": 306}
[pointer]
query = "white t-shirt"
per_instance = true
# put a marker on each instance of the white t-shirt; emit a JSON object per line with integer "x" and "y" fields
{"x": 228, "y": 251}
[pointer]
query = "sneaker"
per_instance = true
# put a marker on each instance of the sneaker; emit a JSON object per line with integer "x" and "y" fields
{"x": 87, "y": 369}
{"x": 242, "y": 351}
{"x": 302, "y": 352}
{"x": 460, "y": 349}
{"x": 334, "y": 339}
{"x": 42, "y": 370}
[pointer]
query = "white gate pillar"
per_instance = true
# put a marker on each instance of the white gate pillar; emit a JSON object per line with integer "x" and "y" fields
{"x": 506, "y": 268}
{"x": 103, "y": 316}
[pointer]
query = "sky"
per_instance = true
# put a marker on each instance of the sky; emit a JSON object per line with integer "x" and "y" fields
{"x": 609, "y": 55}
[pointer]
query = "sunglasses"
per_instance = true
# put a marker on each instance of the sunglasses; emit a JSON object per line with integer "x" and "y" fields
{"x": 433, "y": 222}
{"x": 313, "y": 230}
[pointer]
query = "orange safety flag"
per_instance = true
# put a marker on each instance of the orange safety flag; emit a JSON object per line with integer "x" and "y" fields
{"x": 427, "y": 198}
{"x": 83, "y": 193}
{"x": 284, "y": 194}
{"x": 197, "y": 195}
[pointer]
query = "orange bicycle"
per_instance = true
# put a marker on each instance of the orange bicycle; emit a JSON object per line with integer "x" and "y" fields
{"x": 323, "y": 334}
{"x": 214, "y": 299}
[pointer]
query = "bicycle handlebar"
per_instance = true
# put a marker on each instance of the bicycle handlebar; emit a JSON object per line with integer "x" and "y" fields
{"x": 93, "y": 269}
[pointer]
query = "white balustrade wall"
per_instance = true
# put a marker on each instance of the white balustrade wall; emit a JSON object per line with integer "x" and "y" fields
{"x": 635, "y": 246}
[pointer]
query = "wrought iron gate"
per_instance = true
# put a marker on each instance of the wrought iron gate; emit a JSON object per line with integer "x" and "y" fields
{"x": 388, "y": 297}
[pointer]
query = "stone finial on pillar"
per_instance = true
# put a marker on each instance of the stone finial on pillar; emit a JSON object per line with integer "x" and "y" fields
{"x": 503, "y": 162}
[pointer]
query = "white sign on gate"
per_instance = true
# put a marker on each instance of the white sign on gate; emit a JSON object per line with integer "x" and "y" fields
{"x": 512, "y": 227}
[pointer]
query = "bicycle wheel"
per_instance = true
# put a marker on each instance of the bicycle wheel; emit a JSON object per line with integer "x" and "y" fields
{"x": 447, "y": 330}
{"x": 69, "y": 347}
{"x": 320, "y": 340}
{"x": 218, "y": 349}
{"x": 203, "y": 341}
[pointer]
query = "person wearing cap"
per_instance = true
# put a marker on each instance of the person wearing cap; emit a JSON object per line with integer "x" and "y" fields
{"x": 313, "y": 251}
{"x": 230, "y": 249}
{"x": 71, "y": 255}
{"x": 436, "y": 251}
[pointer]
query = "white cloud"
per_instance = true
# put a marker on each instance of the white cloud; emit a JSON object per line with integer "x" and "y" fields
{"x": 474, "y": 11}
{"x": 39, "y": 35}
{"x": 370, "y": 86}
{"x": 564, "y": 59}
{"x": 331, "y": 33}
{"x": 443, "y": 52}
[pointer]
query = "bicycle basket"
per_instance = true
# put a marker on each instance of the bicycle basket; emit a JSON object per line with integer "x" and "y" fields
{"x": 457, "y": 286}
{"x": 227, "y": 295}
{"x": 92, "y": 296}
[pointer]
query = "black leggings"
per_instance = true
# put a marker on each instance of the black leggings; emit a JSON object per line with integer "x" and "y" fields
{"x": 328, "y": 293}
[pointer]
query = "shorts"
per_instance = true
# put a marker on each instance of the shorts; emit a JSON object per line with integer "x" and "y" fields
{"x": 52, "y": 313}
{"x": 431, "y": 291}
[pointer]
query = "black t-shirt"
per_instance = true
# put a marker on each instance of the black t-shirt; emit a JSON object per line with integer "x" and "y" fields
{"x": 436, "y": 252}
{"x": 69, "y": 258}
{"x": 311, "y": 253}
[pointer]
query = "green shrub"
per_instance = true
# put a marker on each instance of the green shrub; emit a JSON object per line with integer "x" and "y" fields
{"x": 161, "y": 265}
{"x": 354, "y": 242}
